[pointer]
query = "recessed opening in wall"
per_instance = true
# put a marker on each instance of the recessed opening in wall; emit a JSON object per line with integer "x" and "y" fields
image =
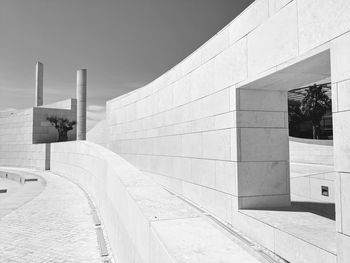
{"x": 324, "y": 190}
{"x": 310, "y": 111}
{"x": 310, "y": 143}
{"x": 311, "y": 160}
{"x": 311, "y": 146}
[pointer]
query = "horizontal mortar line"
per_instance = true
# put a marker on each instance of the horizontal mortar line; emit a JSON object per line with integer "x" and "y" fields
{"x": 201, "y": 158}
{"x": 141, "y": 170}
{"x": 230, "y": 44}
{"x": 132, "y": 93}
{"x": 308, "y": 177}
{"x": 201, "y": 131}
{"x": 344, "y": 234}
{"x": 185, "y": 104}
{"x": 214, "y": 189}
{"x": 341, "y": 111}
{"x": 249, "y": 196}
{"x": 201, "y": 118}
{"x": 162, "y": 88}
{"x": 174, "y": 126}
{"x": 186, "y": 181}
{"x": 346, "y": 79}
{"x": 161, "y": 136}
{"x": 313, "y": 174}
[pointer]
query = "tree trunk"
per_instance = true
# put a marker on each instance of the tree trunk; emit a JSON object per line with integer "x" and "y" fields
{"x": 313, "y": 131}
{"x": 62, "y": 136}
{"x": 316, "y": 131}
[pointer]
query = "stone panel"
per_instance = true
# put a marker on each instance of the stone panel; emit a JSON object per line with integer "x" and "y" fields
{"x": 251, "y": 18}
{"x": 226, "y": 177}
{"x": 216, "y": 145}
{"x": 341, "y": 127}
{"x": 266, "y": 46}
{"x": 261, "y": 100}
{"x": 264, "y": 144}
{"x": 321, "y": 21}
{"x": 262, "y": 178}
{"x": 343, "y": 252}
{"x": 345, "y": 202}
{"x": 192, "y": 145}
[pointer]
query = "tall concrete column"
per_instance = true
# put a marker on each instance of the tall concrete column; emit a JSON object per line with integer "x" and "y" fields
{"x": 260, "y": 147}
{"x": 39, "y": 73}
{"x": 81, "y": 103}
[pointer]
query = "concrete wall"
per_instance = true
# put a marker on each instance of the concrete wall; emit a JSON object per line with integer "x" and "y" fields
{"x": 142, "y": 220}
{"x": 307, "y": 151}
{"x": 23, "y": 134}
{"x": 16, "y": 149}
{"x": 99, "y": 134}
{"x": 69, "y": 104}
{"x": 341, "y": 125}
{"x": 24, "y": 155}
{"x": 214, "y": 128}
{"x": 16, "y": 127}
{"x": 311, "y": 168}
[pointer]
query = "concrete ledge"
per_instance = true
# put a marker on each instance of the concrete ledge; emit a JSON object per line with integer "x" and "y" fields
{"x": 144, "y": 222}
{"x": 27, "y": 192}
{"x": 24, "y": 155}
{"x": 311, "y": 141}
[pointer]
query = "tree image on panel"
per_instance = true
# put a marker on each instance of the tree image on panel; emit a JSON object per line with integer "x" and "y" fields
{"x": 63, "y": 126}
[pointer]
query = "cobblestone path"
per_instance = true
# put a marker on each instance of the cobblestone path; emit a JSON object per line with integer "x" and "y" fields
{"x": 55, "y": 226}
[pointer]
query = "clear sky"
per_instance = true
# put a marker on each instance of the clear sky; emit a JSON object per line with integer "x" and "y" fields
{"x": 124, "y": 44}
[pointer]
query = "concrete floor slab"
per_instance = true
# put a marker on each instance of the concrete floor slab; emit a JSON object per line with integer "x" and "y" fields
{"x": 54, "y": 226}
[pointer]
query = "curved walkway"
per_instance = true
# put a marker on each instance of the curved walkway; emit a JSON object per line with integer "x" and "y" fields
{"x": 55, "y": 226}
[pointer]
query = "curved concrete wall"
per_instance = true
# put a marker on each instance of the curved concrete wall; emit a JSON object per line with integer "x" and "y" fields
{"x": 312, "y": 167}
{"x": 309, "y": 151}
{"x": 144, "y": 222}
{"x": 98, "y": 134}
{"x": 16, "y": 135}
{"x": 207, "y": 128}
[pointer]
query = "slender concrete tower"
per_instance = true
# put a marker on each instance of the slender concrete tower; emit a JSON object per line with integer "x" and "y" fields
{"x": 39, "y": 74}
{"x": 81, "y": 103}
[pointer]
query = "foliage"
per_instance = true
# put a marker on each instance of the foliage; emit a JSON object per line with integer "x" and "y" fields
{"x": 314, "y": 106}
{"x": 62, "y": 125}
{"x": 295, "y": 117}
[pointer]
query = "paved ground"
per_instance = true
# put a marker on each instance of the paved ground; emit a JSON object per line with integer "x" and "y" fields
{"x": 55, "y": 226}
{"x": 11, "y": 187}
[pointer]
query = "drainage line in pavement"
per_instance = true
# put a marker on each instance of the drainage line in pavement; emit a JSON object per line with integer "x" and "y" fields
{"x": 104, "y": 253}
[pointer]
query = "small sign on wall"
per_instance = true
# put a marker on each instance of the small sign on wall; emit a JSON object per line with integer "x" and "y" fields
{"x": 324, "y": 190}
